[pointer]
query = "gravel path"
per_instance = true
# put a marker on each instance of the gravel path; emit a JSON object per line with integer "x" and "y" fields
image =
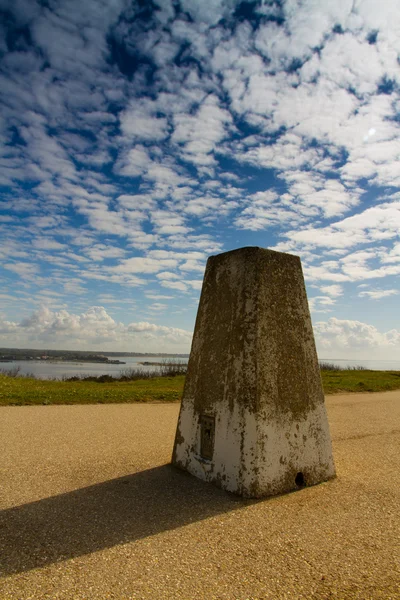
{"x": 90, "y": 510}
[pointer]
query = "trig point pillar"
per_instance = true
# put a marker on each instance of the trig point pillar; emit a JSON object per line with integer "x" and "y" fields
{"x": 253, "y": 418}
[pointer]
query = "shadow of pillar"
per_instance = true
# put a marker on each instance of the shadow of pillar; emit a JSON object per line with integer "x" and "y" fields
{"x": 101, "y": 516}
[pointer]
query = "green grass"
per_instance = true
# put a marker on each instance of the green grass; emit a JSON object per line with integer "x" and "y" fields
{"x": 24, "y": 391}
{"x": 21, "y": 391}
{"x": 335, "y": 382}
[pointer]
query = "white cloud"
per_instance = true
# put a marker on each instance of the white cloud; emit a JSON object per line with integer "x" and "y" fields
{"x": 200, "y": 133}
{"x": 74, "y": 287}
{"x": 332, "y": 290}
{"x": 6, "y": 328}
{"x": 167, "y": 275}
{"x": 289, "y": 152}
{"x": 168, "y": 223}
{"x": 133, "y": 163}
{"x": 196, "y": 284}
{"x": 355, "y": 338}
{"x": 306, "y": 25}
{"x": 204, "y": 242}
{"x": 310, "y": 190}
{"x": 155, "y": 296}
{"x": 204, "y": 205}
{"x": 109, "y": 277}
{"x": 208, "y": 11}
{"x": 139, "y": 121}
{"x": 100, "y": 252}
{"x": 321, "y": 304}
{"x": 378, "y": 294}
{"x": 174, "y": 285}
{"x": 384, "y": 18}
{"x": 264, "y": 210}
{"x": 192, "y": 255}
{"x": 157, "y": 306}
{"x": 331, "y": 99}
{"x": 165, "y": 177}
{"x": 377, "y": 223}
{"x": 349, "y": 62}
{"x": 23, "y": 269}
{"x": 393, "y": 256}
{"x": 48, "y": 244}
{"x": 136, "y": 202}
{"x": 192, "y": 265}
{"x": 143, "y": 265}
{"x": 90, "y": 329}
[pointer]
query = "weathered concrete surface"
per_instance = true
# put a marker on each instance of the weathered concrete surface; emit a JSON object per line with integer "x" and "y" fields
{"x": 253, "y": 368}
{"x": 89, "y": 510}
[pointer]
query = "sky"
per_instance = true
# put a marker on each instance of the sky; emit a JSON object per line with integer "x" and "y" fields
{"x": 139, "y": 138}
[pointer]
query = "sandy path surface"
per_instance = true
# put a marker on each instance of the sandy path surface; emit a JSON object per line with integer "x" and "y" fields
{"x": 90, "y": 510}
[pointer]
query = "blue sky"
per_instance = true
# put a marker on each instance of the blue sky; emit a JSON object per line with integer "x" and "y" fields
{"x": 138, "y": 138}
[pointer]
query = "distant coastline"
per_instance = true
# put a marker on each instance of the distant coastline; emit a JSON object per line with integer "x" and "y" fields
{"x": 8, "y": 355}
{"x": 62, "y": 359}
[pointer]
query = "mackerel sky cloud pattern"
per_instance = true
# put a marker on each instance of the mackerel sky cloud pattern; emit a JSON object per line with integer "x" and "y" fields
{"x": 140, "y": 137}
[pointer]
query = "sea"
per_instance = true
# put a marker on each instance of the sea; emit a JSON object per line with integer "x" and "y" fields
{"x": 57, "y": 369}
{"x": 49, "y": 369}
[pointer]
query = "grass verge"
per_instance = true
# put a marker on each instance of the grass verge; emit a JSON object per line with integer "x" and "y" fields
{"x": 335, "y": 382}
{"x": 20, "y": 391}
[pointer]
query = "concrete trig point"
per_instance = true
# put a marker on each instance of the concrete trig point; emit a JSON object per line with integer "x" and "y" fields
{"x": 253, "y": 418}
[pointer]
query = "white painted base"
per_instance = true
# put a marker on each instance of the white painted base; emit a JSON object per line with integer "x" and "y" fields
{"x": 254, "y": 457}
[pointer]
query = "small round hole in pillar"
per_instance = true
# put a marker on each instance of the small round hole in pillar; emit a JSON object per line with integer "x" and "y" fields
{"x": 299, "y": 480}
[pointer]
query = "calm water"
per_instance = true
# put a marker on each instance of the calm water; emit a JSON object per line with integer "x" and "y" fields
{"x": 49, "y": 369}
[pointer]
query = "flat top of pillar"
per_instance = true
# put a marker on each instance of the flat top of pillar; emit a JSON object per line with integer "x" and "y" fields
{"x": 256, "y": 251}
